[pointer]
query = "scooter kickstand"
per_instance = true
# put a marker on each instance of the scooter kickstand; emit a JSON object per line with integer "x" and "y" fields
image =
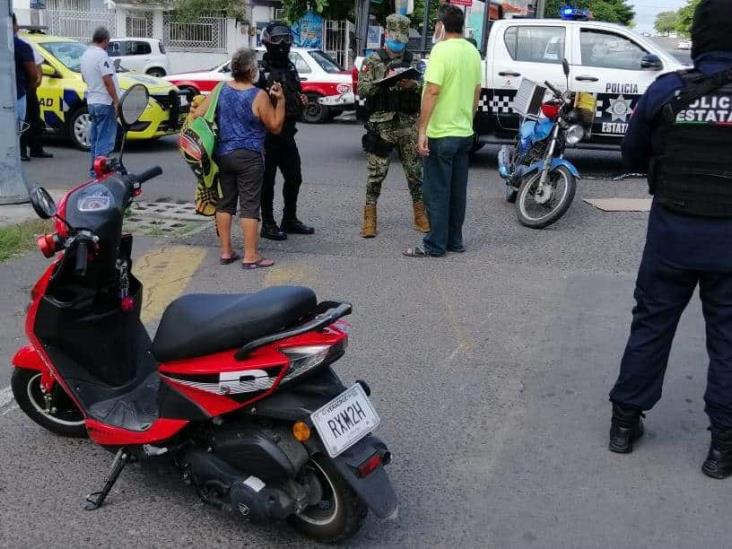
{"x": 95, "y": 500}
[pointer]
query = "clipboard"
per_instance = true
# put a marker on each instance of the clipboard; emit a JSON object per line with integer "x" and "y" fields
{"x": 409, "y": 74}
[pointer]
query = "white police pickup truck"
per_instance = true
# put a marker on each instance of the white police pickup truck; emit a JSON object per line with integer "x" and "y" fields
{"x": 610, "y": 61}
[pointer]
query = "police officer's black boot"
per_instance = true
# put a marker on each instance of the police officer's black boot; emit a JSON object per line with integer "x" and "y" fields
{"x": 719, "y": 461}
{"x": 290, "y": 223}
{"x": 270, "y": 230}
{"x": 626, "y": 427}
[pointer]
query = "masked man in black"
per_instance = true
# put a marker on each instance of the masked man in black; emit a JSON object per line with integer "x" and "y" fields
{"x": 281, "y": 150}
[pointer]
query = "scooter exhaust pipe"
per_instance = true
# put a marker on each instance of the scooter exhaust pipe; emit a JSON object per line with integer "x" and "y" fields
{"x": 221, "y": 484}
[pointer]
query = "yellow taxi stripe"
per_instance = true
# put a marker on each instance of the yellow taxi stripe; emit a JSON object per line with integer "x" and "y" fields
{"x": 165, "y": 272}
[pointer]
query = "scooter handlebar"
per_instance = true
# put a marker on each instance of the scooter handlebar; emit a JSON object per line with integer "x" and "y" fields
{"x": 146, "y": 175}
{"x": 82, "y": 256}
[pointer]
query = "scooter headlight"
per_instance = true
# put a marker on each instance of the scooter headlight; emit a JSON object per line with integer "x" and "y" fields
{"x": 304, "y": 359}
{"x": 574, "y": 134}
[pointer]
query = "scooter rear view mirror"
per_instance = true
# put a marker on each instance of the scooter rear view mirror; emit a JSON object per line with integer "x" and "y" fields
{"x": 133, "y": 103}
{"x": 42, "y": 202}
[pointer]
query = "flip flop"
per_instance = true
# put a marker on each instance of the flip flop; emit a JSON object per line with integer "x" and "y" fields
{"x": 259, "y": 264}
{"x": 228, "y": 260}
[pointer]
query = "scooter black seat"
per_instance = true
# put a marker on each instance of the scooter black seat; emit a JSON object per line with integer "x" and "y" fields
{"x": 202, "y": 324}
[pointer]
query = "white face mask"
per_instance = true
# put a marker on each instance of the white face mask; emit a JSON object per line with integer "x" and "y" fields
{"x": 439, "y": 34}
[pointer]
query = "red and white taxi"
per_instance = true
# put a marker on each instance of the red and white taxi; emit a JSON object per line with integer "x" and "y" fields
{"x": 329, "y": 88}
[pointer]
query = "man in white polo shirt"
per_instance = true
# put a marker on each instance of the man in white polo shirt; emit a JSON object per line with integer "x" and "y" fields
{"x": 99, "y": 73}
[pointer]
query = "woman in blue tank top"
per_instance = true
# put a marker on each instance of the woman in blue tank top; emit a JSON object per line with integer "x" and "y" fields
{"x": 244, "y": 114}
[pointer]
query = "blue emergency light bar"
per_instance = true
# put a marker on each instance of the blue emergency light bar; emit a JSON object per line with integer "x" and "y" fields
{"x": 569, "y": 13}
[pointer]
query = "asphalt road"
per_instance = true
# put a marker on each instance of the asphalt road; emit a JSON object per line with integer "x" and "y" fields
{"x": 490, "y": 371}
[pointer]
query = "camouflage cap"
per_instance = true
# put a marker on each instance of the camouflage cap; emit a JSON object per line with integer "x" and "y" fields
{"x": 397, "y": 27}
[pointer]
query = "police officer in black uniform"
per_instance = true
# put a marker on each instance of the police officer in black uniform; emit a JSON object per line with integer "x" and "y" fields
{"x": 281, "y": 150}
{"x": 681, "y": 135}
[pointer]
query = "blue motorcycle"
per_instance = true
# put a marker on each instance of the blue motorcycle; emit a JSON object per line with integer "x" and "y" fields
{"x": 538, "y": 178}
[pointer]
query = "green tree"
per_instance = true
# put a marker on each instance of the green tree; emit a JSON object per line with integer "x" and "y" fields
{"x": 612, "y": 11}
{"x": 666, "y": 22}
{"x": 685, "y": 17}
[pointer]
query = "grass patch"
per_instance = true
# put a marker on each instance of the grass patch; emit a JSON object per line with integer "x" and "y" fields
{"x": 16, "y": 239}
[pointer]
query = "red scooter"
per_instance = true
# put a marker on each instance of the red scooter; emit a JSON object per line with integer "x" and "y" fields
{"x": 237, "y": 390}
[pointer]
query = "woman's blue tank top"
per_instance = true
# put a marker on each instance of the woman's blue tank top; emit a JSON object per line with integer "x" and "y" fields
{"x": 238, "y": 127}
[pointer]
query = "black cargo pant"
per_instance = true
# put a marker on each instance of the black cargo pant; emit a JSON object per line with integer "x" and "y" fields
{"x": 662, "y": 293}
{"x": 280, "y": 151}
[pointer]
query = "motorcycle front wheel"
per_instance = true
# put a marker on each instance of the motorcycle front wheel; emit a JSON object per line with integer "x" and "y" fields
{"x": 64, "y": 419}
{"x": 537, "y": 211}
{"x": 338, "y": 515}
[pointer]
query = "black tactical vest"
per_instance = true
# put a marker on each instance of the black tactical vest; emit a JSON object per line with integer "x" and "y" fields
{"x": 290, "y": 80}
{"x": 384, "y": 100}
{"x": 693, "y": 172}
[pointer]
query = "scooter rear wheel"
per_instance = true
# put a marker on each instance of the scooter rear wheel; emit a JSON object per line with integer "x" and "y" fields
{"x": 65, "y": 419}
{"x": 338, "y": 515}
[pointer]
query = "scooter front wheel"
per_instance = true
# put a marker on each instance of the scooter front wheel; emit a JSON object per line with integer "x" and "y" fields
{"x": 538, "y": 210}
{"x": 64, "y": 419}
{"x": 338, "y": 515}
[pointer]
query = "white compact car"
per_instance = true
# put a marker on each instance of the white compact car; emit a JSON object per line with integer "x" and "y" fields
{"x": 146, "y": 55}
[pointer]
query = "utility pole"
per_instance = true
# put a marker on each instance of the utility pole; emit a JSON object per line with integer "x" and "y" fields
{"x": 12, "y": 185}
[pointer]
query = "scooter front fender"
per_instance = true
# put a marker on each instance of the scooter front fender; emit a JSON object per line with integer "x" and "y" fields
{"x": 375, "y": 489}
{"x": 523, "y": 171}
{"x": 28, "y": 358}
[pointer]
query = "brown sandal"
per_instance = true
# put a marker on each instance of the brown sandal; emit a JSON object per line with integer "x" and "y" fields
{"x": 261, "y": 263}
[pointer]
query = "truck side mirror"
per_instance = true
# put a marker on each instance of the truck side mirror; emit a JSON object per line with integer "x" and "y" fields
{"x": 651, "y": 62}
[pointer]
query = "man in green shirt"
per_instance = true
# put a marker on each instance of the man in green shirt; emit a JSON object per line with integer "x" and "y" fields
{"x": 449, "y": 102}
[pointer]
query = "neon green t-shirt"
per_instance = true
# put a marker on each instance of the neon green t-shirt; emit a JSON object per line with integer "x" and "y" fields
{"x": 454, "y": 65}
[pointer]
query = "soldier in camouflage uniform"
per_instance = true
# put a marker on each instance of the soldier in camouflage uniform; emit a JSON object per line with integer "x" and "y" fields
{"x": 394, "y": 112}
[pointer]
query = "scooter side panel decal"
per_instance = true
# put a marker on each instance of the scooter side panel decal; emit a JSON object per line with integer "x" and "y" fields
{"x": 106, "y": 435}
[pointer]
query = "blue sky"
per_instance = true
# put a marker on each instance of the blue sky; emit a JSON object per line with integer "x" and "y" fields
{"x": 646, "y": 11}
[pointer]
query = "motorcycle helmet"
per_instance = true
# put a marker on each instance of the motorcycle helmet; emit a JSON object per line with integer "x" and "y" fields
{"x": 277, "y": 38}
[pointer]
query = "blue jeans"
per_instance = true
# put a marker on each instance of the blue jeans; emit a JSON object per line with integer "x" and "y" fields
{"x": 103, "y": 131}
{"x": 20, "y": 109}
{"x": 445, "y": 185}
{"x": 662, "y": 292}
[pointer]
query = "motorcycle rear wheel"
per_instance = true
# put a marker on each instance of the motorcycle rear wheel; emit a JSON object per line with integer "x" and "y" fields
{"x": 66, "y": 421}
{"x": 535, "y": 216}
{"x": 338, "y": 515}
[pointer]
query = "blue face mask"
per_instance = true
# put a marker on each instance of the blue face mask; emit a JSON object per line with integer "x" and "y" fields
{"x": 395, "y": 45}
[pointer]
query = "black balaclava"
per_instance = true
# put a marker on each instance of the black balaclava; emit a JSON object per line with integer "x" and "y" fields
{"x": 712, "y": 27}
{"x": 278, "y": 54}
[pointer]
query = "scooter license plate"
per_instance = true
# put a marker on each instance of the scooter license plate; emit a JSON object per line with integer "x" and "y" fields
{"x": 345, "y": 420}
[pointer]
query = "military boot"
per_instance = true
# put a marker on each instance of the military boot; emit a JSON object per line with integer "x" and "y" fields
{"x": 369, "y": 221}
{"x": 626, "y": 427}
{"x": 719, "y": 461}
{"x": 421, "y": 223}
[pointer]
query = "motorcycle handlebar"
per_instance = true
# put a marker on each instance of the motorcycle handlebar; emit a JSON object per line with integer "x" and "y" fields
{"x": 82, "y": 255}
{"x": 552, "y": 88}
{"x": 146, "y": 175}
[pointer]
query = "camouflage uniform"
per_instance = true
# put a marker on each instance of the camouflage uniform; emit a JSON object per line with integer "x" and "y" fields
{"x": 395, "y": 128}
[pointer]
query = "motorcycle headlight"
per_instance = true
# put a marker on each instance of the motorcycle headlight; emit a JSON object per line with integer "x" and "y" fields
{"x": 574, "y": 134}
{"x": 304, "y": 359}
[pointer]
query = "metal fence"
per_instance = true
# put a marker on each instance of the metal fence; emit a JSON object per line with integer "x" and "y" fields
{"x": 80, "y": 24}
{"x": 206, "y": 33}
{"x": 139, "y": 25}
{"x": 337, "y": 41}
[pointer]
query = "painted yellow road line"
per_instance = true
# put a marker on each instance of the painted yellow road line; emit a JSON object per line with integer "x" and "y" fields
{"x": 165, "y": 272}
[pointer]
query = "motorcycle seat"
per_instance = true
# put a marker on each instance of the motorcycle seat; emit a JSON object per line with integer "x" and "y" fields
{"x": 202, "y": 324}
